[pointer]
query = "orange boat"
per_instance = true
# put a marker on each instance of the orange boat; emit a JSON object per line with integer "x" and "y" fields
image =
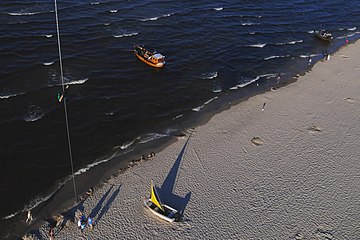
{"x": 151, "y": 58}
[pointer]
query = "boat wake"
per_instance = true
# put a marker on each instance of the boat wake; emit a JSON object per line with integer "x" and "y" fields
{"x": 197, "y": 109}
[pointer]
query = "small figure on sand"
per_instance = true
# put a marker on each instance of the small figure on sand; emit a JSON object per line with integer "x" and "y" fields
{"x": 29, "y": 218}
{"x": 82, "y": 223}
{"x": 90, "y": 223}
{"x": 51, "y": 234}
{"x": 263, "y": 107}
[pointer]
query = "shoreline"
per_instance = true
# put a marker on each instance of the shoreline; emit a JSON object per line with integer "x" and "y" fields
{"x": 159, "y": 148}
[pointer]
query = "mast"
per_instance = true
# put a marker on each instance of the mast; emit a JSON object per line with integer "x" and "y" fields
{"x": 64, "y": 100}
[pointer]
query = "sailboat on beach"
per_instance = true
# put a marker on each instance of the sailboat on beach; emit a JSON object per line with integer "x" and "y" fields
{"x": 155, "y": 205}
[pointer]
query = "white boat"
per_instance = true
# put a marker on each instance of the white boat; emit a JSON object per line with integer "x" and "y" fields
{"x": 323, "y": 35}
{"x": 165, "y": 212}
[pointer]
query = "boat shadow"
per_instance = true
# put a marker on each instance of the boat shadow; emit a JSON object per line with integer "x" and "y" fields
{"x": 167, "y": 187}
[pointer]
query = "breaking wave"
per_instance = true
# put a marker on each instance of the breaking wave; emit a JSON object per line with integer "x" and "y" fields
{"x": 156, "y": 18}
{"x": 197, "y": 109}
{"x": 48, "y": 63}
{"x": 259, "y": 45}
{"x": 272, "y": 57}
{"x": 210, "y": 75}
{"x": 218, "y": 9}
{"x": 126, "y": 35}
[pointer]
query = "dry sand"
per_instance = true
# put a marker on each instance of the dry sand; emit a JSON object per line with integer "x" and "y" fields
{"x": 301, "y": 182}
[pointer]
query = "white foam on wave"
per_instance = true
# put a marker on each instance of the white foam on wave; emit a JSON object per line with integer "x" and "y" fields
{"x": 259, "y": 45}
{"x": 128, "y": 144}
{"x": 151, "y": 136}
{"x": 218, "y": 9}
{"x": 113, "y": 11}
{"x": 178, "y": 116}
{"x": 290, "y": 43}
{"x": 11, "y": 95}
{"x": 23, "y": 13}
{"x": 77, "y": 82}
{"x": 95, "y": 3}
{"x": 311, "y": 31}
{"x": 11, "y": 215}
{"x": 348, "y": 35}
{"x": 48, "y": 35}
{"x": 272, "y": 57}
{"x": 307, "y": 55}
{"x": 106, "y": 24}
{"x": 48, "y": 63}
{"x": 210, "y": 75}
{"x": 245, "y": 84}
{"x": 252, "y": 33}
{"x": 249, "y": 24}
{"x": 352, "y": 29}
{"x": 126, "y": 35}
{"x": 156, "y": 18}
{"x": 197, "y": 109}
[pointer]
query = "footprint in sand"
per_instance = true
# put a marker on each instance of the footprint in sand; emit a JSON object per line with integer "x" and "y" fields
{"x": 257, "y": 141}
{"x": 349, "y": 99}
{"x": 324, "y": 234}
{"x": 314, "y": 129}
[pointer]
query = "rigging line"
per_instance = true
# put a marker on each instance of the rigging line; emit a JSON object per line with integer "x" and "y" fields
{"x": 65, "y": 109}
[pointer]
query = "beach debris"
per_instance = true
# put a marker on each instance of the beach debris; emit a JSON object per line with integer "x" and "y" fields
{"x": 257, "y": 141}
{"x": 274, "y": 88}
{"x": 59, "y": 220}
{"x": 349, "y": 99}
{"x": 90, "y": 191}
{"x": 263, "y": 107}
{"x": 314, "y": 128}
{"x": 150, "y": 155}
{"x": 344, "y": 56}
{"x": 245, "y": 151}
{"x": 29, "y": 236}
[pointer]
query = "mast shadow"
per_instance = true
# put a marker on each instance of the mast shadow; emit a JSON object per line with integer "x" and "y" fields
{"x": 106, "y": 207}
{"x": 167, "y": 187}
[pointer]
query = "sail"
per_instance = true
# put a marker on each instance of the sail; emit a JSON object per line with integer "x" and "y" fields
{"x": 154, "y": 197}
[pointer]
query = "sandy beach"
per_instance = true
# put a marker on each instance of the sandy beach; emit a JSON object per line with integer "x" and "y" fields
{"x": 301, "y": 181}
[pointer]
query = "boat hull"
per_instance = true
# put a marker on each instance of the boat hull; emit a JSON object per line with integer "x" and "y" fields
{"x": 158, "y": 65}
{"x": 318, "y": 35}
{"x": 170, "y": 214}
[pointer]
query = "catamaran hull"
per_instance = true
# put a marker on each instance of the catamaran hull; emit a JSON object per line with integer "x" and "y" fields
{"x": 171, "y": 217}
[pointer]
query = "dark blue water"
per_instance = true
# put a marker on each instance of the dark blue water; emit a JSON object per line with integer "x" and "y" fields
{"x": 117, "y": 103}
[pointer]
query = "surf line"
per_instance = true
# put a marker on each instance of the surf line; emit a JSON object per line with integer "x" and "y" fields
{"x": 64, "y": 99}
